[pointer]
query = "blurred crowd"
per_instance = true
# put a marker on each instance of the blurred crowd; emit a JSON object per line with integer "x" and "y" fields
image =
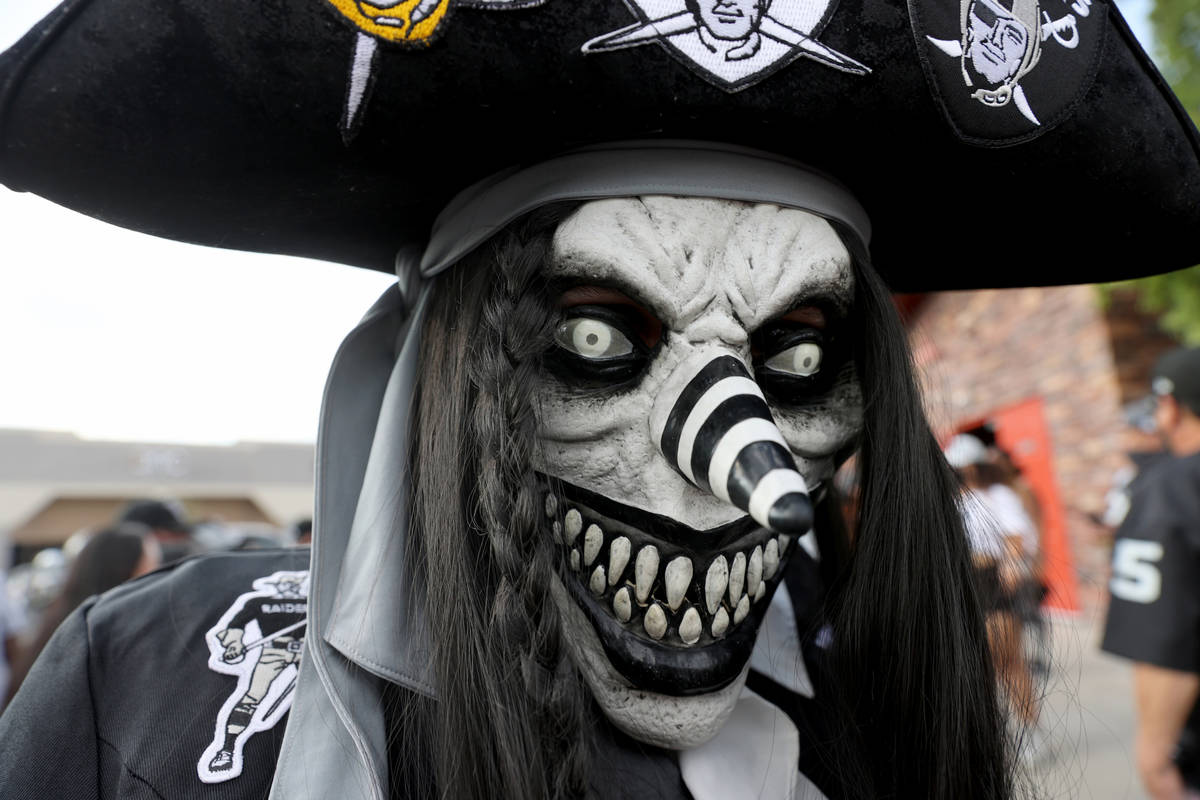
{"x": 146, "y": 534}
{"x": 1153, "y": 616}
{"x": 1152, "y": 519}
{"x": 1154, "y": 589}
{"x": 1002, "y": 519}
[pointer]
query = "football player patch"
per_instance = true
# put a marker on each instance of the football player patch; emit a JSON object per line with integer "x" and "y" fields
{"x": 258, "y": 640}
{"x": 1005, "y": 71}
{"x": 731, "y": 43}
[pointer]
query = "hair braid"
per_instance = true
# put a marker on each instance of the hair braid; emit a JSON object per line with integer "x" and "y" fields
{"x": 516, "y": 325}
{"x": 516, "y": 716}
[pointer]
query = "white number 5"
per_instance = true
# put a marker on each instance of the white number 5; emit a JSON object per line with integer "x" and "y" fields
{"x": 1135, "y": 578}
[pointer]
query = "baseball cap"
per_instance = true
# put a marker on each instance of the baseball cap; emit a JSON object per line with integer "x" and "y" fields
{"x": 964, "y": 450}
{"x": 1177, "y": 374}
{"x": 156, "y": 514}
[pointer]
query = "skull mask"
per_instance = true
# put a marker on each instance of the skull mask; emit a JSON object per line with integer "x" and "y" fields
{"x": 698, "y": 394}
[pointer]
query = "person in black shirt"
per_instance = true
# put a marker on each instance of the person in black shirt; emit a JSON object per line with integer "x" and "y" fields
{"x": 1154, "y": 616}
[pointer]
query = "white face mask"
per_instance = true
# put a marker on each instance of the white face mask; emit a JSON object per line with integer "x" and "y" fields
{"x": 687, "y": 325}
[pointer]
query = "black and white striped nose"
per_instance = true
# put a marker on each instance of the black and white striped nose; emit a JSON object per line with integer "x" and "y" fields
{"x": 719, "y": 434}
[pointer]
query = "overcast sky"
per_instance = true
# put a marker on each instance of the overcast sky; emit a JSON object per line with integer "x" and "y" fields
{"x": 114, "y": 334}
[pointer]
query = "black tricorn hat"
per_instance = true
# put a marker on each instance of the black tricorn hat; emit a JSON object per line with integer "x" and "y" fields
{"x": 992, "y": 143}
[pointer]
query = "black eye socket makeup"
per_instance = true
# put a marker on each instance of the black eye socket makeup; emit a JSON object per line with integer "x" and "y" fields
{"x": 597, "y": 345}
{"x": 796, "y": 360}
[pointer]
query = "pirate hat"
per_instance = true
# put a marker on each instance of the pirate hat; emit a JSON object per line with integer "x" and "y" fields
{"x": 991, "y": 145}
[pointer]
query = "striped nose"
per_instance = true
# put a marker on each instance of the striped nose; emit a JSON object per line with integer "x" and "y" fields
{"x": 719, "y": 434}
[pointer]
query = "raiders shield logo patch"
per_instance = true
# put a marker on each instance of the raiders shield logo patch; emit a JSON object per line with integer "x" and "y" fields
{"x": 259, "y": 640}
{"x": 731, "y": 43}
{"x": 1006, "y": 71}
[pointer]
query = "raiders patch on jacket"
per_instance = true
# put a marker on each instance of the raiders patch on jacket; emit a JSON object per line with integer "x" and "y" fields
{"x": 259, "y": 641}
{"x": 139, "y": 684}
{"x": 1004, "y": 71}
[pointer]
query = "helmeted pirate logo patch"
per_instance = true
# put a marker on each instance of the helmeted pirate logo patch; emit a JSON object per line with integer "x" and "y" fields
{"x": 403, "y": 22}
{"x": 1005, "y": 70}
{"x": 731, "y": 43}
{"x": 259, "y": 640}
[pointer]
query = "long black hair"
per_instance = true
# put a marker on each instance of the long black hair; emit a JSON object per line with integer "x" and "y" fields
{"x": 512, "y": 715}
{"x": 914, "y": 707}
{"x": 911, "y": 688}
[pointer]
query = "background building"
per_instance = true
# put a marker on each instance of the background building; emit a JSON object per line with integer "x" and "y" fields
{"x": 53, "y": 484}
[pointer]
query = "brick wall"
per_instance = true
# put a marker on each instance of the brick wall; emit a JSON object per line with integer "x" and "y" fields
{"x": 1136, "y": 342}
{"x": 980, "y": 351}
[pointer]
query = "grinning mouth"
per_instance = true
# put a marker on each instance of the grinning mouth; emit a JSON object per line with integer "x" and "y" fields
{"x": 677, "y": 610}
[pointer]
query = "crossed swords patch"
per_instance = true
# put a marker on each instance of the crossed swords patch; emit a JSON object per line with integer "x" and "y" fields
{"x": 731, "y": 43}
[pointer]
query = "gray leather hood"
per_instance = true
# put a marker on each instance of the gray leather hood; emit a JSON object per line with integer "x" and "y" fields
{"x": 362, "y": 630}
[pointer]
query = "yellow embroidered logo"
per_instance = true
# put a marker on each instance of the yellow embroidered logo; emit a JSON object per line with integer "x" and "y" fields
{"x": 406, "y": 21}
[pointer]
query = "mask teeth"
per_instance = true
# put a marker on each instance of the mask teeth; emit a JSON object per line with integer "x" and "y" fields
{"x": 673, "y": 599}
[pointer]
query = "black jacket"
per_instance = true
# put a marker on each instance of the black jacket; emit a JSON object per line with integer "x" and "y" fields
{"x": 126, "y": 701}
{"x": 122, "y": 702}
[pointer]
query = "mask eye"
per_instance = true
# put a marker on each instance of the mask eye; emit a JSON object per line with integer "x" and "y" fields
{"x": 593, "y": 339}
{"x": 597, "y": 345}
{"x": 803, "y": 360}
{"x": 798, "y": 356}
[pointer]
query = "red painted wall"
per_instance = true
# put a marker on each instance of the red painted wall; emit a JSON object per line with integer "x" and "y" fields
{"x": 1022, "y": 433}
